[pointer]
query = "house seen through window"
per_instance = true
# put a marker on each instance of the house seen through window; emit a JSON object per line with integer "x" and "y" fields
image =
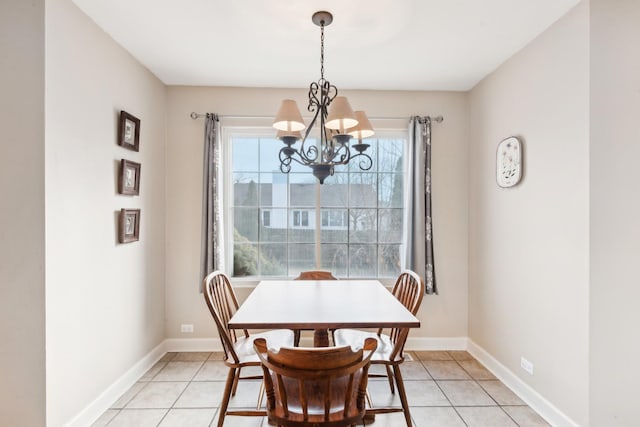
{"x": 286, "y": 223}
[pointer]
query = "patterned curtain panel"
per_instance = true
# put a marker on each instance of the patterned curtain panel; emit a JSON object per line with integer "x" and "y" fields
{"x": 211, "y": 249}
{"x": 418, "y": 232}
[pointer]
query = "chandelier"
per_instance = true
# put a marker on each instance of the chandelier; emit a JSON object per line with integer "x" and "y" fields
{"x": 338, "y": 123}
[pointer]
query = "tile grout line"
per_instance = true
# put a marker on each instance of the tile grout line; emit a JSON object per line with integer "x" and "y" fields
{"x": 488, "y": 394}
{"x": 445, "y": 394}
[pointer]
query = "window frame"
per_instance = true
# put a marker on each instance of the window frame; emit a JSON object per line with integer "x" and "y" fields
{"x": 258, "y": 128}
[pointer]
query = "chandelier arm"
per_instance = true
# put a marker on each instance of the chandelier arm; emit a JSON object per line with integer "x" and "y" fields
{"x": 364, "y": 163}
{"x": 308, "y": 154}
{"x": 286, "y": 159}
{"x": 284, "y": 155}
{"x": 342, "y": 152}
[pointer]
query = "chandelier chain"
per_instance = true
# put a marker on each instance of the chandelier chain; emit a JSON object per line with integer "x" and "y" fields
{"x": 322, "y": 51}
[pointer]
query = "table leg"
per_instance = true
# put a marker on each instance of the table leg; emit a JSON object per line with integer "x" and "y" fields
{"x": 320, "y": 338}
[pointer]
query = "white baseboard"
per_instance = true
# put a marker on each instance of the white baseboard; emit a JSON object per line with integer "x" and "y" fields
{"x": 104, "y": 401}
{"x": 537, "y": 402}
{"x": 193, "y": 344}
{"x": 437, "y": 343}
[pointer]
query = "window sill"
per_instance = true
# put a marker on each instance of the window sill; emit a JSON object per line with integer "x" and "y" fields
{"x": 252, "y": 282}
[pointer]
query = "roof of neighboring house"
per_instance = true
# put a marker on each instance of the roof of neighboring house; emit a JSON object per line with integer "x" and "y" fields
{"x": 302, "y": 195}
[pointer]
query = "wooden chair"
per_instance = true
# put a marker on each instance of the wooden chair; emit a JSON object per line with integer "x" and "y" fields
{"x": 237, "y": 345}
{"x": 315, "y": 275}
{"x": 409, "y": 290}
{"x": 312, "y": 275}
{"x": 310, "y": 387}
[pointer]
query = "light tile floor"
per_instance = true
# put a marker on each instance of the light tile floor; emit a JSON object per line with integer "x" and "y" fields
{"x": 444, "y": 388}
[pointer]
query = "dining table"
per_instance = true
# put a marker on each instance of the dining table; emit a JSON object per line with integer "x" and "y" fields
{"x": 320, "y": 305}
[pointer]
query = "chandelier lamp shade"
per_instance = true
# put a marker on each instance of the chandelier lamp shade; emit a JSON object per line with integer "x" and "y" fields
{"x": 336, "y": 121}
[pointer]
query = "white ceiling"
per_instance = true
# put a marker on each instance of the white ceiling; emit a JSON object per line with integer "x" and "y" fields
{"x": 372, "y": 44}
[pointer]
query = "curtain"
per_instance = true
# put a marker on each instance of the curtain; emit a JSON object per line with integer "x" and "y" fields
{"x": 211, "y": 249}
{"x": 418, "y": 228}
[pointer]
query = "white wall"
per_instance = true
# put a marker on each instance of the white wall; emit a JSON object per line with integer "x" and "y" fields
{"x": 444, "y": 315}
{"x": 104, "y": 300}
{"x": 615, "y": 210}
{"x": 22, "y": 326}
{"x": 528, "y": 245}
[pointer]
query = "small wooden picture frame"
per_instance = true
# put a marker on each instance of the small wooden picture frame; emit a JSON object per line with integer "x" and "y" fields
{"x": 129, "y": 178}
{"x": 129, "y": 225}
{"x": 129, "y": 131}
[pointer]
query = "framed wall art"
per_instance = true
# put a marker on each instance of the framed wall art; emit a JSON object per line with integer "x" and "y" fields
{"x": 129, "y": 131}
{"x": 129, "y": 178}
{"x": 129, "y": 225}
{"x": 509, "y": 162}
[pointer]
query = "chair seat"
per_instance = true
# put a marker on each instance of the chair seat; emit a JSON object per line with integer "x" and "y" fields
{"x": 276, "y": 338}
{"x": 383, "y": 352}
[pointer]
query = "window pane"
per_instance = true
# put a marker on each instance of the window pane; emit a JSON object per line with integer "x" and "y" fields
{"x": 273, "y": 259}
{"x": 302, "y": 189}
{"x": 362, "y": 225}
{"x": 334, "y": 227}
{"x": 301, "y": 258}
{"x": 273, "y": 189}
{"x": 334, "y": 192}
{"x": 245, "y": 222}
{"x": 389, "y": 260}
{"x": 245, "y": 154}
{"x": 334, "y": 219}
{"x": 269, "y": 148}
{"x": 302, "y": 234}
{"x": 390, "y": 155}
{"x": 390, "y": 190}
{"x": 276, "y": 231}
{"x": 334, "y": 259}
{"x": 362, "y": 261}
{"x": 245, "y": 259}
{"x": 245, "y": 189}
{"x": 363, "y": 190}
{"x": 390, "y": 225}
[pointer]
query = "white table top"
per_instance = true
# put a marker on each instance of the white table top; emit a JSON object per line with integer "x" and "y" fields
{"x": 313, "y": 304}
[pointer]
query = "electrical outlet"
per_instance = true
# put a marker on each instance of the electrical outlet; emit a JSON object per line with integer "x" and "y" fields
{"x": 186, "y": 328}
{"x": 526, "y": 365}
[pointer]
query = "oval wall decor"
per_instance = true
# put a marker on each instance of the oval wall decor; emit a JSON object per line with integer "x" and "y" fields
{"x": 509, "y": 162}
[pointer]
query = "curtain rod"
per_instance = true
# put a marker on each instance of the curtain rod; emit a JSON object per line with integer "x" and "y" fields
{"x": 194, "y": 116}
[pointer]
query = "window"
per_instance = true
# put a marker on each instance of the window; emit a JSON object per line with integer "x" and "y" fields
{"x": 275, "y": 231}
{"x": 334, "y": 218}
{"x": 301, "y": 218}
